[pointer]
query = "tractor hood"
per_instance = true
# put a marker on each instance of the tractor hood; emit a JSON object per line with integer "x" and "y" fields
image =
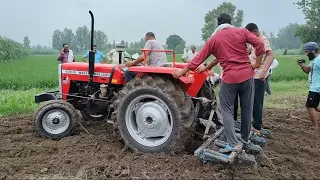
{"x": 103, "y": 73}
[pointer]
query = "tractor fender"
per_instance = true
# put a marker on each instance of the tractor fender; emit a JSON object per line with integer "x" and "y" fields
{"x": 191, "y": 83}
{"x": 45, "y": 97}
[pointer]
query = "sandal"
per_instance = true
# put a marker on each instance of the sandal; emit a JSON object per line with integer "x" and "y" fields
{"x": 228, "y": 148}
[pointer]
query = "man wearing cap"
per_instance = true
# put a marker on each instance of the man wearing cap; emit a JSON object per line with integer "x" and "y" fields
{"x": 188, "y": 56}
{"x": 313, "y": 69}
{"x": 113, "y": 54}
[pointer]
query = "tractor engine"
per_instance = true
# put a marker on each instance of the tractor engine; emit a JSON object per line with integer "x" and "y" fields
{"x": 94, "y": 99}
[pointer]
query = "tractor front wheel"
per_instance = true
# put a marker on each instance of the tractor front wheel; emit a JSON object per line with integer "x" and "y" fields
{"x": 154, "y": 115}
{"x": 55, "y": 119}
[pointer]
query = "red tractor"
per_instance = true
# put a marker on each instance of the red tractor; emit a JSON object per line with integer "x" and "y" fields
{"x": 152, "y": 113}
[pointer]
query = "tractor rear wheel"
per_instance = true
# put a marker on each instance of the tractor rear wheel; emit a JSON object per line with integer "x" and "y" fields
{"x": 154, "y": 115}
{"x": 55, "y": 119}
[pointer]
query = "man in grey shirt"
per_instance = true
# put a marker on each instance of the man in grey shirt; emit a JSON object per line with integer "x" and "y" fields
{"x": 153, "y": 58}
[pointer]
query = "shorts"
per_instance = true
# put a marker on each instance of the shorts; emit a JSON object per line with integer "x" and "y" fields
{"x": 313, "y": 100}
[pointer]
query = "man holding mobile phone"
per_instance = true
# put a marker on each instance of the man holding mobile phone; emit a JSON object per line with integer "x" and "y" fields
{"x": 313, "y": 69}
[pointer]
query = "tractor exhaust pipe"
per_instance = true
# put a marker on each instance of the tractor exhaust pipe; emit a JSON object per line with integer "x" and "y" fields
{"x": 91, "y": 53}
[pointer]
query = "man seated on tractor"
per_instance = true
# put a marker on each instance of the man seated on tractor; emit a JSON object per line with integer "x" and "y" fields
{"x": 153, "y": 58}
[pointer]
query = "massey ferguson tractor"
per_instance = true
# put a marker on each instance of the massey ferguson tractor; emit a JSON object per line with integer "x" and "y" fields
{"x": 153, "y": 113}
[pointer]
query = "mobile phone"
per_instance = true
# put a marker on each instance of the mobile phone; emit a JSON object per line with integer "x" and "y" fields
{"x": 302, "y": 61}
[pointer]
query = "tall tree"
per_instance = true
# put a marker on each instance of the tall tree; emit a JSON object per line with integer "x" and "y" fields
{"x": 68, "y": 37}
{"x": 286, "y": 37}
{"x": 57, "y": 39}
{"x": 26, "y": 42}
{"x": 309, "y": 31}
{"x": 210, "y": 18}
{"x": 100, "y": 39}
{"x": 82, "y": 38}
{"x": 180, "y": 47}
{"x": 173, "y": 41}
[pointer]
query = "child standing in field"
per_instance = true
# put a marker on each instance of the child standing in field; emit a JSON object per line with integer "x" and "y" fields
{"x": 313, "y": 69}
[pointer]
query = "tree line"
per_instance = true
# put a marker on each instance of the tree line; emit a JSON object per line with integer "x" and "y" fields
{"x": 79, "y": 41}
{"x": 291, "y": 36}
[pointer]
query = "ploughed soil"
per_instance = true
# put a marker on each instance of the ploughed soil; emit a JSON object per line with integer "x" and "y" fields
{"x": 293, "y": 152}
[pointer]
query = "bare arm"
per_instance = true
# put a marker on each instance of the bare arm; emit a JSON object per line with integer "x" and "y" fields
{"x": 60, "y": 56}
{"x": 258, "y": 45}
{"x": 270, "y": 58}
{"x": 212, "y": 64}
{"x": 140, "y": 59}
{"x": 184, "y": 57}
{"x": 305, "y": 68}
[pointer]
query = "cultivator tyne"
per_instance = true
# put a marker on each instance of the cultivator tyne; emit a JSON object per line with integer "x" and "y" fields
{"x": 209, "y": 150}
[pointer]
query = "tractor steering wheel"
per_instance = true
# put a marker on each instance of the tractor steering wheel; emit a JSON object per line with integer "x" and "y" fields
{"x": 127, "y": 57}
{"x": 131, "y": 59}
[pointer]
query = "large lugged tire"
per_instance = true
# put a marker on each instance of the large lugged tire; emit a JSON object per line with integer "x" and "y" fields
{"x": 154, "y": 115}
{"x": 93, "y": 117}
{"x": 55, "y": 119}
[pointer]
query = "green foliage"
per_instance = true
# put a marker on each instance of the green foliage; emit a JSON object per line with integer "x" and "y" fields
{"x": 10, "y": 49}
{"x": 309, "y": 31}
{"x": 26, "y": 42}
{"x": 210, "y": 18}
{"x": 100, "y": 39}
{"x": 22, "y": 78}
{"x": 180, "y": 47}
{"x": 285, "y": 52}
{"x": 80, "y": 40}
{"x": 286, "y": 37}
{"x": 41, "y": 71}
{"x": 176, "y": 43}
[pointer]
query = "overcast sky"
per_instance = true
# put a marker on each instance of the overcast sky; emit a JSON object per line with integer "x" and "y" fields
{"x": 129, "y": 20}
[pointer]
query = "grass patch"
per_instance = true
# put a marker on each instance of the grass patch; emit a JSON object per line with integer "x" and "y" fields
{"x": 41, "y": 71}
{"x": 285, "y": 95}
{"x": 21, "y": 79}
{"x": 18, "y": 101}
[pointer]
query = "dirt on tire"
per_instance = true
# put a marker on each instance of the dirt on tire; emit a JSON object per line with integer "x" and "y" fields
{"x": 293, "y": 152}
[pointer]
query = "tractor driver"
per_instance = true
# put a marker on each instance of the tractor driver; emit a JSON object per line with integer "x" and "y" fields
{"x": 153, "y": 58}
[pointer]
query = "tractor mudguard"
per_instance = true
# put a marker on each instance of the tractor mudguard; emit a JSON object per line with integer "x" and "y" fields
{"x": 45, "y": 97}
{"x": 191, "y": 83}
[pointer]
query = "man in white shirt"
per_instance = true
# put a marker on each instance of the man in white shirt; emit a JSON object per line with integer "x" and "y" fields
{"x": 189, "y": 55}
{"x": 113, "y": 55}
{"x": 274, "y": 65}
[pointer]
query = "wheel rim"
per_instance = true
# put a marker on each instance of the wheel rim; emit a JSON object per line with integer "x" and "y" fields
{"x": 149, "y": 123}
{"x": 55, "y": 121}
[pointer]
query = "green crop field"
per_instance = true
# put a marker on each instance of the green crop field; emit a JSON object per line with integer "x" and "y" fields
{"x": 22, "y": 78}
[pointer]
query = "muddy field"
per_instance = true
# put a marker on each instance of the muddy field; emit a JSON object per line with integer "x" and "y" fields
{"x": 292, "y": 153}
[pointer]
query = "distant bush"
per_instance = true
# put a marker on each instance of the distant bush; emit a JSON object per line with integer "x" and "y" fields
{"x": 10, "y": 49}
